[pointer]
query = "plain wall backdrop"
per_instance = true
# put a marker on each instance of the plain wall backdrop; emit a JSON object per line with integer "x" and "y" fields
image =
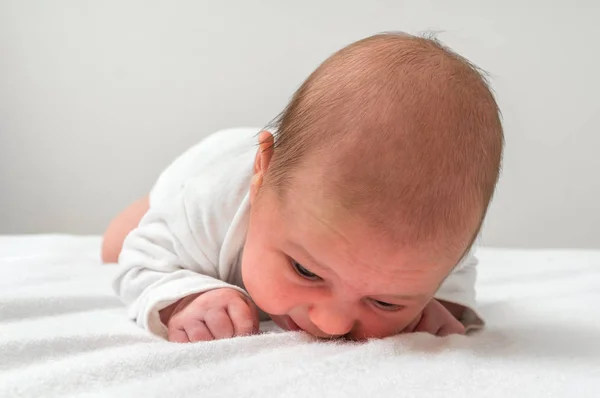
{"x": 97, "y": 97}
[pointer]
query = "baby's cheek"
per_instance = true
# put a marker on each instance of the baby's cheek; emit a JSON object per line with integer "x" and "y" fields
{"x": 269, "y": 298}
{"x": 265, "y": 287}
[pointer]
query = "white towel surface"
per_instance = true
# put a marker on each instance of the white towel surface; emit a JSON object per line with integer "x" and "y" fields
{"x": 64, "y": 333}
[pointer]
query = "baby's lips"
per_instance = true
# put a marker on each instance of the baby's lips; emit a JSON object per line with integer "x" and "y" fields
{"x": 293, "y": 326}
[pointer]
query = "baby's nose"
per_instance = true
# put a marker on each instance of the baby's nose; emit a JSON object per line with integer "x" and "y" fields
{"x": 331, "y": 321}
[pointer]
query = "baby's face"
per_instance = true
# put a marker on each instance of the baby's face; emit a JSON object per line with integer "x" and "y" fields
{"x": 333, "y": 279}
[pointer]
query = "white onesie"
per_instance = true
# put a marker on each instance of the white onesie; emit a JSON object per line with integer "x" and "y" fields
{"x": 191, "y": 239}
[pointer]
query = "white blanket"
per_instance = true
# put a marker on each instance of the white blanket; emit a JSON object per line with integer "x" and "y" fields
{"x": 64, "y": 333}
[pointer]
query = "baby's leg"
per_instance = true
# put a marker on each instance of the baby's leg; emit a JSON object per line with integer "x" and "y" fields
{"x": 120, "y": 226}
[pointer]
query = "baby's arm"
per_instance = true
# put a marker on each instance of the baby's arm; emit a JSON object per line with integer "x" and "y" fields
{"x": 453, "y": 308}
{"x": 172, "y": 255}
{"x": 457, "y": 293}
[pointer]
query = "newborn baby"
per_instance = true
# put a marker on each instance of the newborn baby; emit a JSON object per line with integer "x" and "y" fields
{"x": 353, "y": 216}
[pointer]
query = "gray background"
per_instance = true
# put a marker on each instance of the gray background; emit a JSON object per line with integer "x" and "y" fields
{"x": 96, "y": 97}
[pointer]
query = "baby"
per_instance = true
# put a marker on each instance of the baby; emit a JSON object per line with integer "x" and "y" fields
{"x": 353, "y": 216}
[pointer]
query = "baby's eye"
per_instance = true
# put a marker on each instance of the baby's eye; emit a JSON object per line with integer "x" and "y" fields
{"x": 387, "y": 306}
{"x": 303, "y": 272}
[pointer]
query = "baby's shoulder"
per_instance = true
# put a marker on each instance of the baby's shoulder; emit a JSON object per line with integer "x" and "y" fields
{"x": 220, "y": 166}
{"x": 229, "y": 146}
{"x": 232, "y": 138}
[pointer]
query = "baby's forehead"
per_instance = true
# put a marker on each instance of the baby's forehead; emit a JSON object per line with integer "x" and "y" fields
{"x": 320, "y": 192}
{"x": 401, "y": 132}
{"x": 313, "y": 201}
{"x": 360, "y": 258}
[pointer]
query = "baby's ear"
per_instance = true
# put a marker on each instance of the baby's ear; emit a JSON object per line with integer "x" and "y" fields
{"x": 261, "y": 162}
{"x": 264, "y": 153}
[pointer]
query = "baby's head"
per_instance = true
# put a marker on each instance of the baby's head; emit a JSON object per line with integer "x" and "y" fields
{"x": 373, "y": 188}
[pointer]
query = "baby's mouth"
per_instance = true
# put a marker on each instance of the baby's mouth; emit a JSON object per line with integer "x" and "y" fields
{"x": 293, "y": 326}
{"x": 286, "y": 323}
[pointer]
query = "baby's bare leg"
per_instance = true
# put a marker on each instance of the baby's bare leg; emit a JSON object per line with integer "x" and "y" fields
{"x": 120, "y": 226}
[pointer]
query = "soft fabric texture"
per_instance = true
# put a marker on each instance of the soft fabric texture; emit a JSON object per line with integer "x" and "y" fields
{"x": 65, "y": 334}
{"x": 191, "y": 239}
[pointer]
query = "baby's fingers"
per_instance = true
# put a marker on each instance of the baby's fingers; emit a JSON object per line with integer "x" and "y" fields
{"x": 198, "y": 331}
{"x": 429, "y": 323}
{"x": 413, "y": 324}
{"x": 177, "y": 335}
{"x": 219, "y": 323}
{"x": 244, "y": 318}
{"x": 451, "y": 327}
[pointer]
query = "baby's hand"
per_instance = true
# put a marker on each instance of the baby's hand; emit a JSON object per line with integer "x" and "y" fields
{"x": 216, "y": 314}
{"x": 435, "y": 319}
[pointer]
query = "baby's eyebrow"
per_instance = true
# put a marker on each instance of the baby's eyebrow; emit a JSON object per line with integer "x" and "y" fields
{"x": 405, "y": 297}
{"x": 306, "y": 254}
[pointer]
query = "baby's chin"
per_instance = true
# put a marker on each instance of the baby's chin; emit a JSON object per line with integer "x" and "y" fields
{"x": 286, "y": 323}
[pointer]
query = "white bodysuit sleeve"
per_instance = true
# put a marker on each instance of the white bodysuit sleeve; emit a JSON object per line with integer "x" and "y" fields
{"x": 170, "y": 255}
{"x": 459, "y": 288}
